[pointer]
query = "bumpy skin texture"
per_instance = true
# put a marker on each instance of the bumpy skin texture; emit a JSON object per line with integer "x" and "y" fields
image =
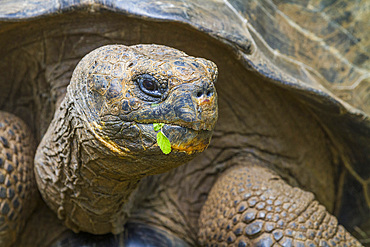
{"x": 101, "y": 141}
{"x": 252, "y": 206}
{"x": 17, "y": 186}
{"x": 316, "y": 48}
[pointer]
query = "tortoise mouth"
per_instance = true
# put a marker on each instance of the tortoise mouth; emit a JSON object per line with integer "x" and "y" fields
{"x": 141, "y": 135}
{"x": 195, "y": 125}
{"x": 189, "y": 140}
{"x": 182, "y": 138}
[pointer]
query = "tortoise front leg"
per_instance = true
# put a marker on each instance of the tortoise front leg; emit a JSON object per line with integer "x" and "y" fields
{"x": 252, "y": 206}
{"x": 18, "y": 195}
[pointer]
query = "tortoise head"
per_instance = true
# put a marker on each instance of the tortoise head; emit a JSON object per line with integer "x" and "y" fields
{"x": 121, "y": 91}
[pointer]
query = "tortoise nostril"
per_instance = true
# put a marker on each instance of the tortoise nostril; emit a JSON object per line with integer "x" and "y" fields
{"x": 204, "y": 90}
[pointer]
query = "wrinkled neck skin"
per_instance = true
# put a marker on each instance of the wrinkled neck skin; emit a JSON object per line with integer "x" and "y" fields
{"x": 89, "y": 180}
{"x": 101, "y": 141}
{"x": 80, "y": 178}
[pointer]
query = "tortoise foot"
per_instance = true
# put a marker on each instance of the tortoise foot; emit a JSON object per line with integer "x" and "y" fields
{"x": 252, "y": 206}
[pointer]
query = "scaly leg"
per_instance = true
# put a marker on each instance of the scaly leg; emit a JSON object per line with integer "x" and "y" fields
{"x": 252, "y": 206}
{"x": 17, "y": 185}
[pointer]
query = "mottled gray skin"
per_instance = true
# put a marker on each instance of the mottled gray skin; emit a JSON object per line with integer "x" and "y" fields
{"x": 305, "y": 116}
{"x": 101, "y": 141}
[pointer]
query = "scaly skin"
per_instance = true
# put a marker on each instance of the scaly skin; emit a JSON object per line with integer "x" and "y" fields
{"x": 252, "y": 206}
{"x": 101, "y": 141}
{"x": 18, "y": 195}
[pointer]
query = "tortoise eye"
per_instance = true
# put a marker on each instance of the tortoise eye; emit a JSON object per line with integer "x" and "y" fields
{"x": 149, "y": 85}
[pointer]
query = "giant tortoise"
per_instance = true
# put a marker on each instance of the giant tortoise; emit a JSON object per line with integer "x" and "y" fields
{"x": 289, "y": 156}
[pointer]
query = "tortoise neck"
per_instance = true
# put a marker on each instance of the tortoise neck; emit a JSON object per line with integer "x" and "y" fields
{"x": 78, "y": 180}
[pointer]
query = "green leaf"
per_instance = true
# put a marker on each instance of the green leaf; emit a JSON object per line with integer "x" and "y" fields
{"x": 158, "y": 126}
{"x": 163, "y": 143}
{"x": 154, "y": 105}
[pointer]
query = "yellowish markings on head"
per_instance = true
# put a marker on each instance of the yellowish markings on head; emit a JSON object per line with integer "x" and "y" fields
{"x": 109, "y": 143}
{"x": 190, "y": 149}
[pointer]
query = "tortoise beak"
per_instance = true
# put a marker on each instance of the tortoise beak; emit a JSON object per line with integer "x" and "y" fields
{"x": 204, "y": 100}
{"x": 194, "y": 106}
